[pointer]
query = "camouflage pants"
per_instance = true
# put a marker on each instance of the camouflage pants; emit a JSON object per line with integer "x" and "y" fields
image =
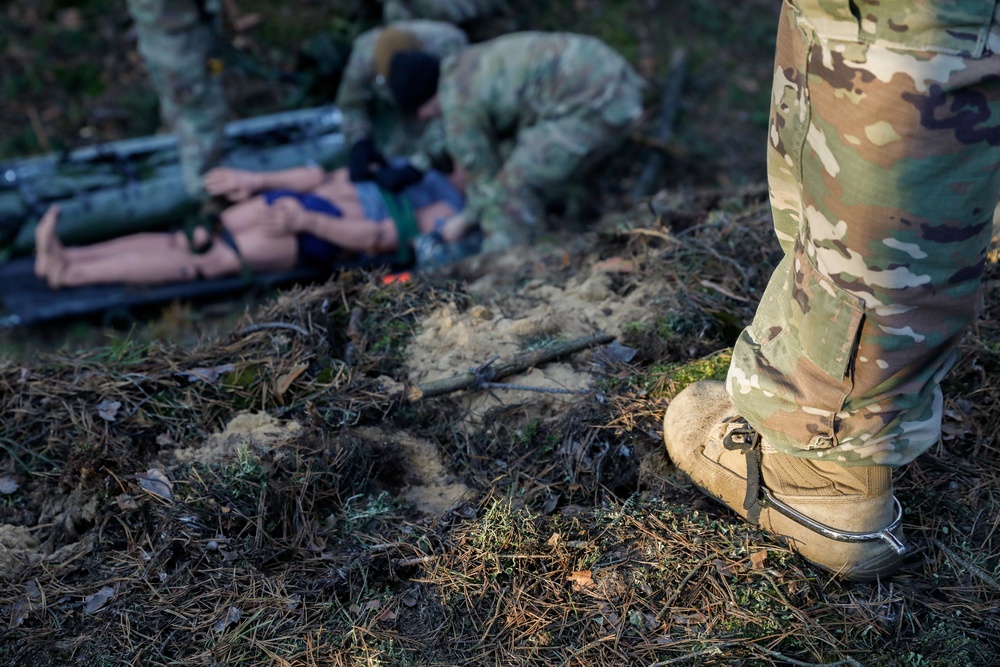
{"x": 884, "y": 168}
{"x": 176, "y": 40}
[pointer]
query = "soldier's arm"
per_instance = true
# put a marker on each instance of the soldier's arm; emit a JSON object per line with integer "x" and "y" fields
{"x": 431, "y": 149}
{"x": 473, "y": 146}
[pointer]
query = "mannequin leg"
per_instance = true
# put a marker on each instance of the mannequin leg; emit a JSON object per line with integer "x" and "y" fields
{"x": 136, "y": 259}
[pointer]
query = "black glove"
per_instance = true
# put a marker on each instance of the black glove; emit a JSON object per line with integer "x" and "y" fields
{"x": 443, "y": 163}
{"x": 397, "y": 179}
{"x": 363, "y": 156}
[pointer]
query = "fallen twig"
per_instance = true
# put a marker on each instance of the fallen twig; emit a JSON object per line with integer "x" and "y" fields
{"x": 799, "y": 663}
{"x": 541, "y": 390}
{"x": 977, "y": 572}
{"x": 478, "y": 377}
{"x": 680, "y": 587}
{"x": 263, "y": 326}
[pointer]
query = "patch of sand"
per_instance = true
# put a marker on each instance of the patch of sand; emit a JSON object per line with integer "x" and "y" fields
{"x": 258, "y": 429}
{"x": 427, "y": 483}
{"x": 508, "y": 321}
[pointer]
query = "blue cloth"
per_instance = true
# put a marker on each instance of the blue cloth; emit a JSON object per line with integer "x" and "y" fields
{"x": 312, "y": 249}
{"x": 310, "y": 202}
{"x": 433, "y": 187}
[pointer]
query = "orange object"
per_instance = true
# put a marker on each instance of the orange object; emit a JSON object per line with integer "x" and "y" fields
{"x": 403, "y": 277}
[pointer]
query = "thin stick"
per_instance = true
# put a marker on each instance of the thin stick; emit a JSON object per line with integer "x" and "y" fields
{"x": 680, "y": 587}
{"x": 799, "y": 663}
{"x": 263, "y": 326}
{"x": 486, "y": 372}
{"x": 977, "y": 572}
{"x": 540, "y": 390}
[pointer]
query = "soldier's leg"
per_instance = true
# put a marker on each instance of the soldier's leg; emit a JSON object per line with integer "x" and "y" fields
{"x": 883, "y": 173}
{"x": 884, "y": 184}
{"x": 177, "y": 39}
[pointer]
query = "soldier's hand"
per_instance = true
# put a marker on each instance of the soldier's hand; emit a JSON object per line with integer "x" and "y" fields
{"x": 454, "y": 228}
{"x": 234, "y": 184}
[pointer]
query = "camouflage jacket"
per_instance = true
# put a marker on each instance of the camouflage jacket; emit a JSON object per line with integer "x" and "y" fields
{"x": 491, "y": 91}
{"x": 361, "y": 93}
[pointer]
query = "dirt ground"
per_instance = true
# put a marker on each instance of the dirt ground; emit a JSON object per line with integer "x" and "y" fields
{"x": 466, "y": 468}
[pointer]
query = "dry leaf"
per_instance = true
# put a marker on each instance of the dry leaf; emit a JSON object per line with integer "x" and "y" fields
{"x": 722, "y": 567}
{"x": 126, "y": 502}
{"x": 155, "y": 482}
{"x": 386, "y": 615}
{"x": 8, "y": 485}
{"x": 758, "y": 558}
{"x": 581, "y": 580}
{"x": 615, "y": 354}
{"x": 286, "y": 380}
{"x": 615, "y": 265}
{"x": 209, "y": 375}
{"x": 722, "y": 290}
{"x": 554, "y": 540}
{"x": 98, "y": 599}
{"x": 107, "y": 410}
{"x": 233, "y": 616}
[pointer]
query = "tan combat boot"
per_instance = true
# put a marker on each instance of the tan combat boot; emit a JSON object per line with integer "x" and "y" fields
{"x": 844, "y": 519}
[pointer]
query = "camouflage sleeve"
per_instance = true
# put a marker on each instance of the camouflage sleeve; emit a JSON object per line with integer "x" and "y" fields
{"x": 356, "y": 96}
{"x": 472, "y": 144}
{"x": 431, "y": 146}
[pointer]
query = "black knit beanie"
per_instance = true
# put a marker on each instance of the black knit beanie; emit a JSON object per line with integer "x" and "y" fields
{"x": 413, "y": 79}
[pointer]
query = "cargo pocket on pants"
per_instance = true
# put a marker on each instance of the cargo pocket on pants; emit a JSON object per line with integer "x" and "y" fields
{"x": 805, "y": 337}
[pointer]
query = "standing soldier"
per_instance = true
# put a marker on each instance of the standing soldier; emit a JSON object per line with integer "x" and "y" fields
{"x": 369, "y": 108}
{"x": 177, "y": 39}
{"x": 481, "y": 19}
{"x": 525, "y": 115}
{"x": 883, "y": 170}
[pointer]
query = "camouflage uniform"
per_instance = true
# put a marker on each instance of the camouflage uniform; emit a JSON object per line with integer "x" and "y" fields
{"x": 563, "y": 101}
{"x": 365, "y": 100}
{"x": 176, "y": 40}
{"x": 884, "y": 170}
{"x": 452, "y": 11}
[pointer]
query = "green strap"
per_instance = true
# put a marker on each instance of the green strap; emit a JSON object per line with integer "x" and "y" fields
{"x": 213, "y": 225}
{"x": 193, "y": 224}
{"x": 405, "y": 220}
